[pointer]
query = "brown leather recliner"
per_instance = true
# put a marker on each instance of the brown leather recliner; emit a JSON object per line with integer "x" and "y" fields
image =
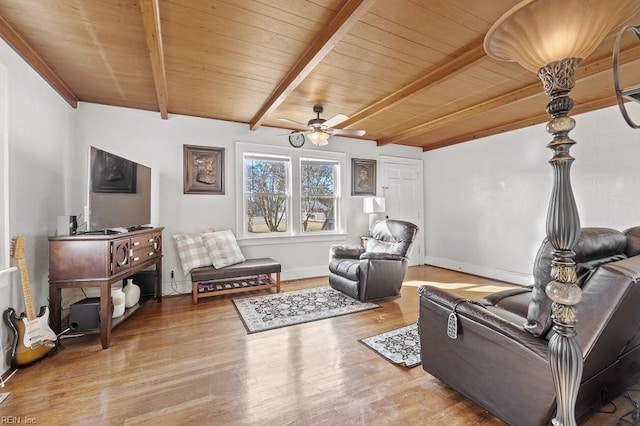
{"x": 500, "y": 358}
{"x": 377, "y": 271}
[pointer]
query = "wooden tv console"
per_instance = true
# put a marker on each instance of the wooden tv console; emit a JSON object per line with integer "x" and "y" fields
{"x": 90, "y": 260}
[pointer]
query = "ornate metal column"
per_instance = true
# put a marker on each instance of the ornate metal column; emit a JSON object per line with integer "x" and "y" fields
{"x": 550, "y": 38}
{"x": 563, "y": 232}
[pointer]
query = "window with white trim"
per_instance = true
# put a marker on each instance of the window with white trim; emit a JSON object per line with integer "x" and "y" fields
{"x": 318, "y": 194}
{"x": 289, "y": 192}
{"x": 266, "y": 181}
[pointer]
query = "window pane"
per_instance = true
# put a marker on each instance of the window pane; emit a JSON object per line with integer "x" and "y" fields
{"x": 318, "y": 195}
{"x": 267, "y": 196}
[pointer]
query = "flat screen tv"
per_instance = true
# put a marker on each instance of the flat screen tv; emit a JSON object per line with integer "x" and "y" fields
{"x": 119, "y": 193}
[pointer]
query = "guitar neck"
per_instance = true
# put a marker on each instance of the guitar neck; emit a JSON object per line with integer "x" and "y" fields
{"x": 29, "y": 310}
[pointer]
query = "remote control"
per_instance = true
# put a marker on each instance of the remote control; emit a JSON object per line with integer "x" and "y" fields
{"x": 452, "y": 326}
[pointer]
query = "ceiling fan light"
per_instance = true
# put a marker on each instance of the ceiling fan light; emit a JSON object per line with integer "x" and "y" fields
{"x": 319, "y": 137}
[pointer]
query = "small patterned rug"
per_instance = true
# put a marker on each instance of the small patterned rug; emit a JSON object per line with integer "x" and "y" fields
{"x": 262, "y": 313}
{"x": 399, "y": 346}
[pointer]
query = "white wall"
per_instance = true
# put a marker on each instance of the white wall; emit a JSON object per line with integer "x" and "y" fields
{"x": 486, "y": 201}
{"x": 40, "y": 129}
{"x": 142, "y": 136}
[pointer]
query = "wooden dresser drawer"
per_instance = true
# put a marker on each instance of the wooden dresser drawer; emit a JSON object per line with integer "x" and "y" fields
{"x": 144, "y": 247}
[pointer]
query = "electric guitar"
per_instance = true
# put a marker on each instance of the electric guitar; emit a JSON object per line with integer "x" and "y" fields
{"x": 33, "y": 339}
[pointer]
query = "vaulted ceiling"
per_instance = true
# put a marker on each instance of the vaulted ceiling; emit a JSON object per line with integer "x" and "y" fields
{"x": 410, "y": 72}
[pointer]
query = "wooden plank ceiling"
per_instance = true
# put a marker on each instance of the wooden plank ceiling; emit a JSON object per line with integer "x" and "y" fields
{"x": 410, "y": 72}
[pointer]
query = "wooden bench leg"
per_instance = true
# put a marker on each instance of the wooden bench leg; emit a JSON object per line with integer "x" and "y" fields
{"x": 277, "y": 282}
{"x": 194, "y": 293}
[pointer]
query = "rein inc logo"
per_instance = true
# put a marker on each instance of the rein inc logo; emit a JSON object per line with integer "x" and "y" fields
{"x": 17, "y": 420}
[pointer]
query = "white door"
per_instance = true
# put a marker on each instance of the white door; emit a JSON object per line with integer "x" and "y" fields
{"x": 402, "y": 187}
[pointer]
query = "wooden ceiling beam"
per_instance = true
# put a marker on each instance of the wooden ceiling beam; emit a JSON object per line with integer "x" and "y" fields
{"x": 31, "y": 57}
{"x": 594, "y": 67}
{"x": 348, "y": 15}
{"x": 519, "y": 95}
{"x": 151, "y": 20}
{"x": 525, "y": 122}
{"x": 473, "y": 53}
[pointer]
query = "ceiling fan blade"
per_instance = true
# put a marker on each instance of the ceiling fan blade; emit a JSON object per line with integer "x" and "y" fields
{"x": 297, "y": 132}
{"x": 348, "y": 132}
{"x": 297, "y": 123}
{"x": 335, "y": 120}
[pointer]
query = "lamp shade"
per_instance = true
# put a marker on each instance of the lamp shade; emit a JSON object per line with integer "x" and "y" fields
{"x": 535, "y": 33}
{"x": 318, "y": 137}
{"x": 373, "y": 205}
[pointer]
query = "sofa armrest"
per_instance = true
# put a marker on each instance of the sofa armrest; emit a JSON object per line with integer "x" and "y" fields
{"x": 485, "y": 318}
{"x": 494, "y": 362}
{"x": 351, "y": 252}
{"x": 380, "y": 256}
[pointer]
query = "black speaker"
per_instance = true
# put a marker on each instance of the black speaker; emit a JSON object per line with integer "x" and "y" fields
{"x": 146, "y": 280}
{"x": 84, "y": 315}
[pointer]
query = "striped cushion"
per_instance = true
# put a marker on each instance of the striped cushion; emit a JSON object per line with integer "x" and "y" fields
{"x": 192, "y": 252}
{"x": 223, "y": 248}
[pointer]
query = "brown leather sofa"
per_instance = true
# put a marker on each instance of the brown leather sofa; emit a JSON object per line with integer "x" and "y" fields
{"x": 377, "y": 271}
{"x": 499, "y": 358}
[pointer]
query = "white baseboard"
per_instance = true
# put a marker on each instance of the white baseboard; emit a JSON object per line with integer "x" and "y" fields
{"x": 483, "y": 271}
{"x": 301, "y": 273}
{"x": 184, "y": 286}
{"x": 180, "y": 287}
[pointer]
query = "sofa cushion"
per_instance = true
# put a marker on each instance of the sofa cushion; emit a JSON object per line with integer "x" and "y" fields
{"x": 391, "y": 236}
{"x": 633, "y": 241}
{"x": 515, "y": 300}
{"x": 595, "y": 247}
{"x": 345, "y": 267}
{"x": 223, "y": 248}
{"x": 249, "y": 267}
{"x": 192, "y": 252}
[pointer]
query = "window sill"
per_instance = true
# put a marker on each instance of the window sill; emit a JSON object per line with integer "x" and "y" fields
{"x": 290, "y": 239}
{"x": 6, "y": 271}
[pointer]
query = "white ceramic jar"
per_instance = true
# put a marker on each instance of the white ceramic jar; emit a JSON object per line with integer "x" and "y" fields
{"x": 131, "y": 294}
{"x": 117, "y": 297}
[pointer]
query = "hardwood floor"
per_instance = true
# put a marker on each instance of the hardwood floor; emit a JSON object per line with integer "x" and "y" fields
{"x": 178, "y": 363}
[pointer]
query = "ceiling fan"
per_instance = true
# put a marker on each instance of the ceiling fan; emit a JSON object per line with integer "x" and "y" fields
{"x": 319, "y": 129}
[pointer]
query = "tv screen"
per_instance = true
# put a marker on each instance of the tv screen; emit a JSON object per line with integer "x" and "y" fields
{"x": 119, "y": 192}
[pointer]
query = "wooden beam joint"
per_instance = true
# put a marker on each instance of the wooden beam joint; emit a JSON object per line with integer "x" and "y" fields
{"x": 350, "y": 13}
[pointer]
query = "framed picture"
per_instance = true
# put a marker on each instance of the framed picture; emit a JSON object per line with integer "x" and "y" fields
{"x": 363, "y": 177}
{"x": 203, "y": 170}
{"x": 110, "y": 173}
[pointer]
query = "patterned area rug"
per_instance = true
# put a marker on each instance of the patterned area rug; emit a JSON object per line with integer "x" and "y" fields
{"x": 399, "y": 346}
{"x": 262, "y": 313}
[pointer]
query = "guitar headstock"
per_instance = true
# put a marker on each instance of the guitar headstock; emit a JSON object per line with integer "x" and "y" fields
{"x": 17, "y": 248}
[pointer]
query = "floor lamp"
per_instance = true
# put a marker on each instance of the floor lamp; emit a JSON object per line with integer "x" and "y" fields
{"x": 551, "y": 38}
{"x": 373, "y": 206}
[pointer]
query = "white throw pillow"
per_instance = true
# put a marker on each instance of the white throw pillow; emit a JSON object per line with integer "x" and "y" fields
{"x": 192, "y": 252}
{"x": 223, "y": 248}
